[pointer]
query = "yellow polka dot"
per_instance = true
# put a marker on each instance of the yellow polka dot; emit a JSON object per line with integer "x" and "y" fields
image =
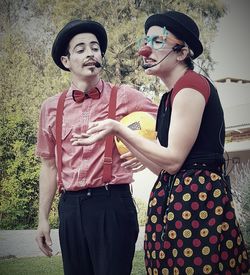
{"x": 214, "y": 177}
{"x": 187, "y": 180}
{"x": 154, "y": 202}
{"x": 203, "y": 214}
{"x": 165, "y": 219}
{"x": 175, "y": 252}
{"x": 219, "y": 228}
{"x": 201, "y": 180}
{"x": 170, "y": 216}
{"x": 172, "y": 234}
{"x": 207, "y": 269}
{"x": 162, "y": 254}
{"x": 229, "y": 244}
{"x": 148, "y": 254}
{"x": 186, "y": 215}
{"x": 172, "y": 197}
{"x": 221, "y": 267}
{"x": 155, "y": 271}
{"x": 224, "y": 226}
{"x": 244, "y": 254}
{"x": 240, "y": 259}
{"x": 232, "y": 263}
{"x": 204, "y": 232}
{"x": 188, "y": 252}
{"x": 218, "y": 210}
{"x": 187, "y": 233}
{"x": 153, "y": 219}
{"x": 217, "y": 193}
{"x": 205, "y": 250}
{"x": 189, "y": 270}
{"x": 149, "y": 271}
{"x": 186, "y": 197}
{"x": 239, "y": 240}
{"x": 176, "y": 271}
{"x": 176, "y": 182}
{"x": 202, "y": 196}
{"x": 165, "y": 271}
{"x": 153, "y": 254}
{"x": 158, "y": 185}
{"x": 154, "y": 237}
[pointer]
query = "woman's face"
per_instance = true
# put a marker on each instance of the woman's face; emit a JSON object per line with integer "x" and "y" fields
{"x": 162, "y": 56}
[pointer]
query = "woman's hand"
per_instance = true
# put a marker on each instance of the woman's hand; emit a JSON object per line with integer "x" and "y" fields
{"x": 97, "y": 131}
{"x": 131, "y": 162}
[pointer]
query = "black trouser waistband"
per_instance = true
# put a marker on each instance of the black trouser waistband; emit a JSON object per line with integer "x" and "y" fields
{"x": 100, "y": 190}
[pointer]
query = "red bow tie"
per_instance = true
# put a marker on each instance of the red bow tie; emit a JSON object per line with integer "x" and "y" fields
{"x": 80, "y": 96}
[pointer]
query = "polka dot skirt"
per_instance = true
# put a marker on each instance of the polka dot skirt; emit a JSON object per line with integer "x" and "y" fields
{"x": 191, "y": 227}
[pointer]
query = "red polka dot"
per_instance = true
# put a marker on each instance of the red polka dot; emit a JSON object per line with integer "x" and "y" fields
{"x": 159, "y": 209}
{"x": 145, "y": 246}
{"x": 196, "y": 242}
{"x": 234, "y": 233}
{"x": 158, "y": 228}
{"x": 228, "y": 272}
{"x": 209, "y": 186}
{"x": 149, "y": 228}
{"x": 179, "y": 189}
{"x": 194, "y": 187}
{"x": 224, "y": 255}
{"x": 195, "y": 224}
{"x": 236, "y": 251}
{"x": 177, "y": 206}
{"x": 180, "y": 262}
{"x": 157, "y": 246}
{"x": 225, "y": 200}
{"x": 149, "y": 245}
{"x": 170, "y": 262}
{"x": 158, "y": 263}
{"x": 197, "y": 261}
{"x": 211, "y": 222}
{"x": 215, "y": 258}
{"x": 230, "y": 215}
{"x": 166, "y": 245}
{"x": 161, "y": 193}
{"x": 210, "y": 204}
{"x": 195, "y": 205}
{"x": 213, "y": 239}
{"x": 178, "y": 224}
{"x": 180, "y": 243}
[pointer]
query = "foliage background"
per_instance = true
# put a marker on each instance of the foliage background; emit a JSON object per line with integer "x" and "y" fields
{"x": 28, "y": 76}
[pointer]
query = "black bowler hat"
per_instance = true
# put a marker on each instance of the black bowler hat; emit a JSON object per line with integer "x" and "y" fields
{"x": 70, "y": 30}
{"x": 180, "y": 25}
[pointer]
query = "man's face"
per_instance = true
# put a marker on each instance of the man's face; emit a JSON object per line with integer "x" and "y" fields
{"x": 84, "y": 52}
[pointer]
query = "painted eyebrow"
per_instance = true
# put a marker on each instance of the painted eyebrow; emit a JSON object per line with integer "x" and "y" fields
{"x": 83, "y": 44}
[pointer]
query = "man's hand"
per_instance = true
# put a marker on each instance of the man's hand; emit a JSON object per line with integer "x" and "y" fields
{"x": 43, "y": 238}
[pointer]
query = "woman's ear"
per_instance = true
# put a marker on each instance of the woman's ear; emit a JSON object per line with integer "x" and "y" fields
{"x": 183, "y": 53}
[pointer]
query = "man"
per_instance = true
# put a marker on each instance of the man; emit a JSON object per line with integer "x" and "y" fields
{"x": 98, "y": 220}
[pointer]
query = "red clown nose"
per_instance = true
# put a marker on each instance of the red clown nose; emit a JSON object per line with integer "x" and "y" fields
{"x": 145, "y": 51}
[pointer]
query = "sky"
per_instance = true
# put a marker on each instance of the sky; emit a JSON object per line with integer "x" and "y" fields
{"x": 231, "y": 51}
{"x": 231, "y": 48}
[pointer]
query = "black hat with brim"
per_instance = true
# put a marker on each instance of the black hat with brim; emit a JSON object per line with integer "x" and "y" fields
{"x": 181, "y": 25}
{"x": 70, "y": 30}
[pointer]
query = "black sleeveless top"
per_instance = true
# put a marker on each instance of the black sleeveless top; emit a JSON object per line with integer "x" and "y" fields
{"x": 209, "y": 145}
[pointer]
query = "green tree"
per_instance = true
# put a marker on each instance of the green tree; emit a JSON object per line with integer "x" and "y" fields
{"x": 28, "y": 76}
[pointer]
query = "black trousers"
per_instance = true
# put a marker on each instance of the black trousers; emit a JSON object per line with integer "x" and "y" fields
{"x": 98, "y": 231}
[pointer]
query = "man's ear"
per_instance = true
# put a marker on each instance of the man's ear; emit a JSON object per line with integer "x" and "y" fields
{"x": 183, "y": 54}
{"x": 65, "y": 61}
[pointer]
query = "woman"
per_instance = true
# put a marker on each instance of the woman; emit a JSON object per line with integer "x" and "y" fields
{"x": 191, "y": 226}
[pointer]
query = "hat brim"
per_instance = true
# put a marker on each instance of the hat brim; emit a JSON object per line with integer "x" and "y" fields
{"x": 178, "y": 29}
{"x": 70, "y": 30}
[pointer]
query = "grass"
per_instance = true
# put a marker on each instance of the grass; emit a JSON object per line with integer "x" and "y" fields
{"x": 52, "y": 266}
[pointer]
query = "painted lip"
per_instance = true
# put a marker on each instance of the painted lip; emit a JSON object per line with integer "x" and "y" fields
{"x": 149, "y": 61}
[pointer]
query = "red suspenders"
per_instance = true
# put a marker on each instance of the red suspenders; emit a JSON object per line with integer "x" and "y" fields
{"x": 107, "y": 165}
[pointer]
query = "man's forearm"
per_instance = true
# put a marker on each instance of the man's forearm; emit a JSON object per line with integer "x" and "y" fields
{"x": 47, "y": 187}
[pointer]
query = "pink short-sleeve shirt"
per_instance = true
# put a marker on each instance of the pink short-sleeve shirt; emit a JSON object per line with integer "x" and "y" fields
{"x": 83, "y": 165}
